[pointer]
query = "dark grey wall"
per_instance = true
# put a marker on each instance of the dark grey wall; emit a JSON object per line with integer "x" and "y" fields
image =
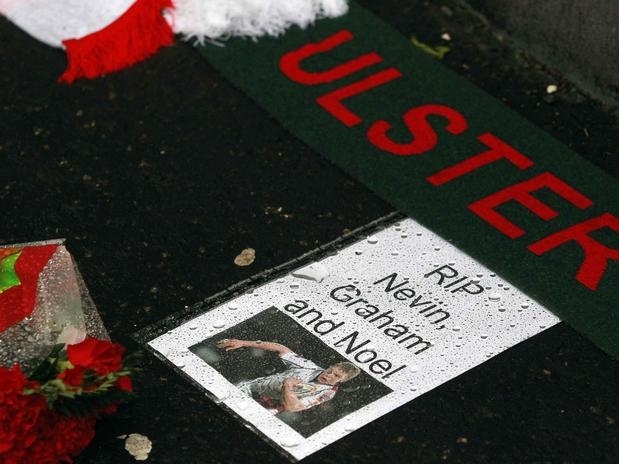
{"x": 580, "y": 38}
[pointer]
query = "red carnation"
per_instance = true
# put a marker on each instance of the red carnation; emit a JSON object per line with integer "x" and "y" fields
{"x": 19, "y": 415}
{"x": 73, "y": 377}
{"x": 31, "y": 431}
{"x": 12, "y": 380}
{"x": 71, "y": 435}
{"x": 58, "y": 439}
{"x": 101, "y": 356}
{"x": 125, "y": 383}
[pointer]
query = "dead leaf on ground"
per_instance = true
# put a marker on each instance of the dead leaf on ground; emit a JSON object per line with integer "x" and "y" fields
{"x": 246, "y": 257}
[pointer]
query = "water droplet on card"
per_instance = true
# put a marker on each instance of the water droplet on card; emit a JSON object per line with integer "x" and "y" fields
{"x": 289, "y": 442}
{"x": 315, "y": 271}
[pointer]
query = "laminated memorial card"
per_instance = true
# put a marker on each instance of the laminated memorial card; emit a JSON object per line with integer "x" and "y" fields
{"x": 318, "y": 352}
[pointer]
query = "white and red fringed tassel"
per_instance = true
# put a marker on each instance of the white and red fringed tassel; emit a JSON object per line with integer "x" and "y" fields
{"x": 102, "y": 36}
{"x": 135, "y": 35}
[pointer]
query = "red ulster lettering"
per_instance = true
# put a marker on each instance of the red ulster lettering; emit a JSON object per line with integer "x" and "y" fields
{"x": 332, "y": 102}
{"x": 521, "y": 193}
{"x": 424, "y": 136}
{"x": 498, "y": 150}
{"x": 596, "y": 254}
{"x": 290, "y": 63}
{"x": 290, "y": 66}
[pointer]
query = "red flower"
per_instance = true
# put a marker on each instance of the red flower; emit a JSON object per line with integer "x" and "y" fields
{"x": 11, "y": 380}
{"x": 101, "y": 356}
{"x": 69, "y": 436}
{"x": 57, "y": 439}
{"x": 30, "y": 433}
{"x": 19, "y": 415}
{"x": 73, "y": 377}
{"x": 125, "y": 384}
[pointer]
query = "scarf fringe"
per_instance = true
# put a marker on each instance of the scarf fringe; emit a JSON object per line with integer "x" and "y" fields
{"x": 220, "y": 19}
{"x": 135, "y": 35}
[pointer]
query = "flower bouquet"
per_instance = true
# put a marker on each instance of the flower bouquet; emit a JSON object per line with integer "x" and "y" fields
{"x": 58, "y": 371}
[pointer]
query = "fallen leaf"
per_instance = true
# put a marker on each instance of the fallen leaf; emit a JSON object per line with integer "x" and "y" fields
{"x": 138, "y": 446}
{"x": 246, "y": 257}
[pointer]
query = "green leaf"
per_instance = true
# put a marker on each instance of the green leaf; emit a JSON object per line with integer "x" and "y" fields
{"x": 48, "y": 367}
{"x": 438, "y": 51}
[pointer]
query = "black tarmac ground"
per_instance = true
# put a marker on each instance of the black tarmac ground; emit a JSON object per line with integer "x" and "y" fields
{"x": 158, "y": 176}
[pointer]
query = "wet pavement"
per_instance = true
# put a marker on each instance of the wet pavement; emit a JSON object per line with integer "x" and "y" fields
{"x": 159, "y": 177}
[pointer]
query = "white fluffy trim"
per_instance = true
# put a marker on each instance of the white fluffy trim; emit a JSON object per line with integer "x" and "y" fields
{"x": 213, "y": 19}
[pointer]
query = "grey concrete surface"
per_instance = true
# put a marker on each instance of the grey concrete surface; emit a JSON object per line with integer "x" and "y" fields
{"x": 578, "y": 39}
